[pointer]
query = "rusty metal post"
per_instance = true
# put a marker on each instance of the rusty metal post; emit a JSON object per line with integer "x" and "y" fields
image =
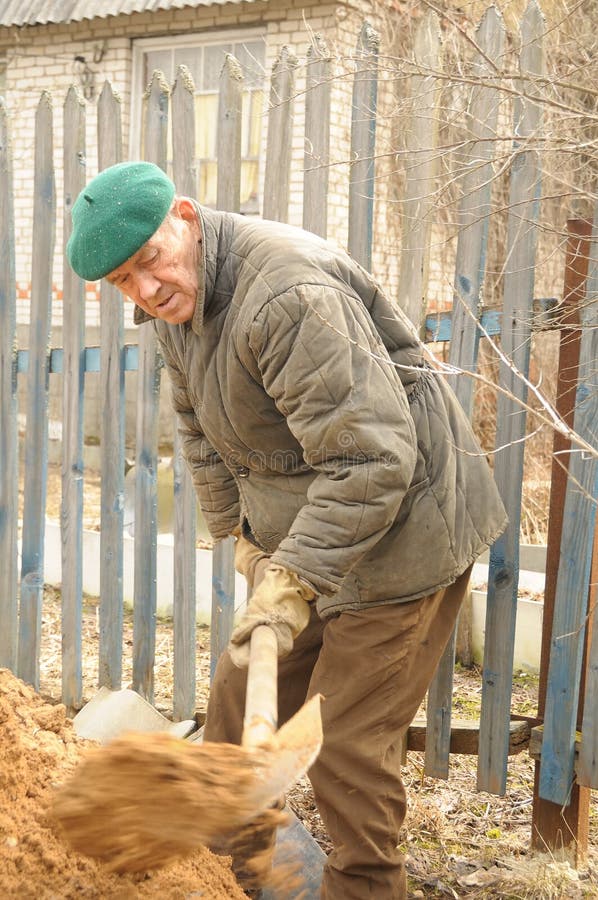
{"x": 556, "y": 829}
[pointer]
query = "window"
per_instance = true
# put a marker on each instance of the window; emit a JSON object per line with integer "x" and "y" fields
{"x": 205, "y": 59}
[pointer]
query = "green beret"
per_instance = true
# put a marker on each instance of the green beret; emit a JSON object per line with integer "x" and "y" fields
{"x": 115, "y": 215}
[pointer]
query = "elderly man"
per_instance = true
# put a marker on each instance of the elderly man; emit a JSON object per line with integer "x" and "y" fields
{"x": 317, "y": 434}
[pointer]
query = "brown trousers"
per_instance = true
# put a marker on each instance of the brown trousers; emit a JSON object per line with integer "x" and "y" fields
{"x": 373, "y": 668}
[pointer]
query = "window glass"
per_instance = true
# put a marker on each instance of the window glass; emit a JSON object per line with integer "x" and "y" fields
{"x": 213, "y": 60}
{"x": 158, "y": 59}
{"x": 208, "y": 182}
{"x": 206, "y": 112}
{"x": 205, "y": 61}
{"x": 255, "y": 122}
{"x": 191, "y": 57}
{"x": 251, "y": 59}
{"x": 249, "y": 185}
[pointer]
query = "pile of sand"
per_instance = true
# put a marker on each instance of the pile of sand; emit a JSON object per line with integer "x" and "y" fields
{"x": 38, "y": 750}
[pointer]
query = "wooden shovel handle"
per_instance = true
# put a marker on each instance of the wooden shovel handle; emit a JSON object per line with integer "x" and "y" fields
{"x": 261, "y": 701}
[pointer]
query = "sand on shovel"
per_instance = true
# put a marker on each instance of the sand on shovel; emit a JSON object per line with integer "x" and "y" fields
{"x": 38, "y": 751}
{"x": 143, "y": 801}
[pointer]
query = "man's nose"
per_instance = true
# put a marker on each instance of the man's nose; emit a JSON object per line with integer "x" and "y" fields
{"x": 147, "y": 285}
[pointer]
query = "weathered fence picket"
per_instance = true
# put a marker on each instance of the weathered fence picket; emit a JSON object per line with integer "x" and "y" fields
{"x": 280, "y": 138}
{"x": 554, "y": 825}
{"x": 146, "y": 462}
{"x": 183, "y": 125}
{"x": 475, "y": 165}
{"x": 363, "y": 146}
{"x": 230, "y": 100}
{"x": 184, "y": 603}
{"x": 223, "y": 570}
{"x": 73, "y": 379}
{"x": 223, "y": 598}
{"x": 518, "y": 295}
{"x": 571, "y": 601}
{"x": 146, "y": 525}
{"x": 9, "y": 462}
{"x": 36, "y": 447}
{"x": 184, "y": 612}
{"x": 421, "y": 138}
{"x": 317, "y": 138}
{"x": 112, "y": 429}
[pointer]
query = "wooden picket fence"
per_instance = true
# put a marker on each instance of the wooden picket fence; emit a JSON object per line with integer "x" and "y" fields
{"x": 563, "y": 762}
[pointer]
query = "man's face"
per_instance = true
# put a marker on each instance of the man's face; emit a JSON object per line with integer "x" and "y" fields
{"x": 162, "y": 276}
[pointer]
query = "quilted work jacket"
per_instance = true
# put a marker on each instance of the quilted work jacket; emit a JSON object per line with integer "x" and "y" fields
{"x": 308, "y": 417}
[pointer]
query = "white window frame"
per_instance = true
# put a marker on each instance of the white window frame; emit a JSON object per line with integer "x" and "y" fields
{"x": 169, "y": 42}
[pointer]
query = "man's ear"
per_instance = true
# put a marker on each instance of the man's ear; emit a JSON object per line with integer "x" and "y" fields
{"x": 185, "y": 209}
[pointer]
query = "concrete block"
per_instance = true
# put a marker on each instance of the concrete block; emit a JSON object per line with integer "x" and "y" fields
{"x": 112, "y": 713}
{"x": 532, "y": 557}
{"x": 164, "y": 568}
{"x": 528, "y": 632}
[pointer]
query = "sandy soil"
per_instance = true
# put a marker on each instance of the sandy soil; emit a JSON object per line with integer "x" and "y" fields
{"x": 38, "y": 750}
{"x": 459, "y": 843}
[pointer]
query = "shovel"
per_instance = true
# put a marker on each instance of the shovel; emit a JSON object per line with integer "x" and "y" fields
{"x": 138, "y": 803}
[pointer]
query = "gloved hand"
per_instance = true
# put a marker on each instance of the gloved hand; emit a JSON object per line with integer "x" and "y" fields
{"x": 281, "y": 600}
{"x": 250, "y": 561}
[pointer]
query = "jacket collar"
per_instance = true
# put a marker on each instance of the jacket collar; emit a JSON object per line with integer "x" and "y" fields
{"x": 209, "y": 226}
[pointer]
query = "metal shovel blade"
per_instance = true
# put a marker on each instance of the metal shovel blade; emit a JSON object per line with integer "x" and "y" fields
{"x": 139, "y": 802}
{"x": 286, "y": 756}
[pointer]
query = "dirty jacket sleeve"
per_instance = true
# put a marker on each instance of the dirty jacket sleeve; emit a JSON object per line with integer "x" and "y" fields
{"x": 214, "y": 485}
{"x": 322, "y": 362}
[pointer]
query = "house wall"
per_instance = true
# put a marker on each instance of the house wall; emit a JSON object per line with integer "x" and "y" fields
{"x": 42, "y": 58}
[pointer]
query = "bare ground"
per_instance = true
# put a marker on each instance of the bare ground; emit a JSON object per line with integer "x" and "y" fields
{"x": 459, "y": 843}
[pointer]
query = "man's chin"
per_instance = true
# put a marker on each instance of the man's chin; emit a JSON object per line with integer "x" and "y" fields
{"x": 176, "y": 317}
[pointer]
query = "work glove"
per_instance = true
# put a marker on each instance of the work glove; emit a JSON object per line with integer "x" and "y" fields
{"x": 250, "y": 561}
{"x": 281, "y": 600}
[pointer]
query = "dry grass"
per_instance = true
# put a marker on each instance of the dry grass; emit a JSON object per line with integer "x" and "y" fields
{"x": 50, "y": 666}
{"x": 459, "y": 843}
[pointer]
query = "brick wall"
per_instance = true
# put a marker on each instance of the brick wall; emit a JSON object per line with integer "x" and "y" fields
{"x": 42, "y": 58}
{"x": 38, "y": 59}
